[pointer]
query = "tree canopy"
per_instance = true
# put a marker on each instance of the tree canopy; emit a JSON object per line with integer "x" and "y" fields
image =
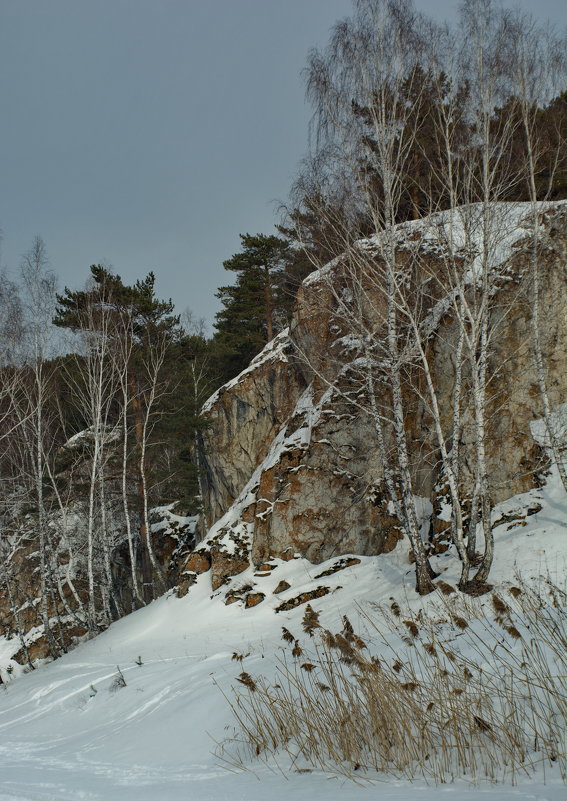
{"x": 257, "y": 306}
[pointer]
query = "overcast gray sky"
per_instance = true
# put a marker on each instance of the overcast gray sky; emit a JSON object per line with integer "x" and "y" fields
{"x": 147, "y": 134}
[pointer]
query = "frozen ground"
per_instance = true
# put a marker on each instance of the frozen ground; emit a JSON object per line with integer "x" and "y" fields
{"x": 68, "y": 732}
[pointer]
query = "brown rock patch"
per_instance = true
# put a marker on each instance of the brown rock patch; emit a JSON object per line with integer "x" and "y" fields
{"x": 198, "y": 562}
{"x": 253, "y": 599}
{"x": 224, "y": 565}
{"x": 186, "y": 580}
{"x": 340, "y": 565}
{"x": 303, "y": 598}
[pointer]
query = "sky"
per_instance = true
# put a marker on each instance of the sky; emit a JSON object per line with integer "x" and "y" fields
{"x": 148, "y": 134}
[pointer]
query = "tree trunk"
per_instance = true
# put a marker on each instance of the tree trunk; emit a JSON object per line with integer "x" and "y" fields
{"x": 269, "y": 302}
{"x": 146, "y": 564}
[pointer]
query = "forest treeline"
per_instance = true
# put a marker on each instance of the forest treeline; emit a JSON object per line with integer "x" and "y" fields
{"x": 101, "y": 388}
{"x": 100, "y": 396}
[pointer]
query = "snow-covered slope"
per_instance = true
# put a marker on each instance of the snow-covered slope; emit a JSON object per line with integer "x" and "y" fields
{"x": 74, "y": 730}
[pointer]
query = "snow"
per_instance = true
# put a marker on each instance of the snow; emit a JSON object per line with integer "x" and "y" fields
{"x": 166, "y": 520}
{"x": 300, "y": 438}
{"x": 459, "y": 231}
{"x": 111, "y": 434}
{"x": 68, "y": 733}
{"x": 322, "y": 272}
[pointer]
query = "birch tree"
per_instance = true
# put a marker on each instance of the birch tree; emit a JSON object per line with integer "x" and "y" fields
{"x": 129, "y": 331}
{"x": 537, "y": 68}
{"x": 398, "y": 97}
{"x": 38, "y": 292}
{"x": 93, "y": 384}
{"x": 371, "y": 67}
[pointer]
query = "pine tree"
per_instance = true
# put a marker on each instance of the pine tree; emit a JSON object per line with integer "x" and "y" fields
{"x": 252, "y": 311}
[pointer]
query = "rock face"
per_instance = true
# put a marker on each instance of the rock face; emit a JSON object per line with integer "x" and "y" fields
{"x": 243, "y": 418}
{"x": 21, "y": 614}
{"x": 293, "y": 458}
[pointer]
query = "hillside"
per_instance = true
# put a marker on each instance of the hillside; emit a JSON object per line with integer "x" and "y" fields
{"x": 69, "y": 732}
{"x": 300, "y": 529}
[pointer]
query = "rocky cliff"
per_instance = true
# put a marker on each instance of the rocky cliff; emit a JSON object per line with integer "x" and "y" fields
{"x": 291, "y": 459}
{"x": 292, "y": 456}
{"x": 66, "y": 536}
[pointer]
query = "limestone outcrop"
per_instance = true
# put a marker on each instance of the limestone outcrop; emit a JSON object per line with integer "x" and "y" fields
{"x": 243, "y": 418}
{"x": 293, "y": 460}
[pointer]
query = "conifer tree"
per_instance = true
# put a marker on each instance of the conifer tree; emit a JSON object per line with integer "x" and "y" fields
{"x": 252, "y": 308}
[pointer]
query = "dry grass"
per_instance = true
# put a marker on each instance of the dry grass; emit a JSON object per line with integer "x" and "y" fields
{"x": 438, "y": 696}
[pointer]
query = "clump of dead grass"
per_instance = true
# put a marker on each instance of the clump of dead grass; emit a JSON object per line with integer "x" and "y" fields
{"x": 474, "y": 691}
